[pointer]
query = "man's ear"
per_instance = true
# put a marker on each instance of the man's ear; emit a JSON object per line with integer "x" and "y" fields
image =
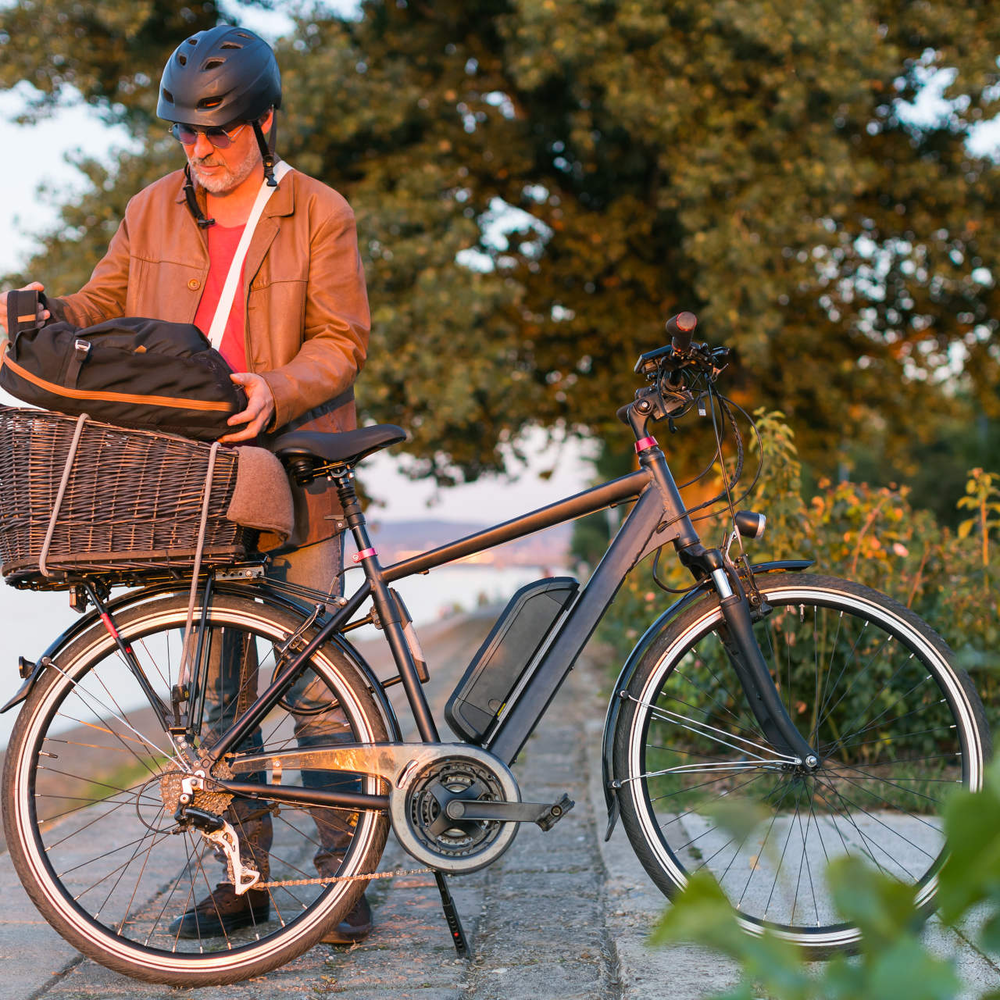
{"x": 266, "y": 121}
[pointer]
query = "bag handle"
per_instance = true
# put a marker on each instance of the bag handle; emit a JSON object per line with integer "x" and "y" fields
{"x": 22, "y": 313}
{"x": 218, "y": 327}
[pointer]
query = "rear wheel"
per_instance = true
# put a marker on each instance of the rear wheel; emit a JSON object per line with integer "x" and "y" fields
{"x": 90, "y": 782}
{"x": 873, "y": 690}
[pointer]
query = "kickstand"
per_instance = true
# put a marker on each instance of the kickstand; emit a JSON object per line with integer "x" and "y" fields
{"x": 451, "y": 915}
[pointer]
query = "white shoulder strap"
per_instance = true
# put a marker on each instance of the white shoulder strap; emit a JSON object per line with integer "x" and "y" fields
{"x": 218, "y": 327}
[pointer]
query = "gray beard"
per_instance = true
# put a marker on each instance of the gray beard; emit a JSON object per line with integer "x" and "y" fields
{"x": 226, "y": 180}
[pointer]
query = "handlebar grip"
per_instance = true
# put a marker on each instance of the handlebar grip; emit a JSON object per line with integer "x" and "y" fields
{"x": 681, "y": 328}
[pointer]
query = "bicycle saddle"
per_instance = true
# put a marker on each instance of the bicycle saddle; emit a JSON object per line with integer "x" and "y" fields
{"x": 347, "y": 448}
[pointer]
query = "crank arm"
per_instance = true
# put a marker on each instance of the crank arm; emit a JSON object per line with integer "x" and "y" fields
{"x": 546, "y": 816}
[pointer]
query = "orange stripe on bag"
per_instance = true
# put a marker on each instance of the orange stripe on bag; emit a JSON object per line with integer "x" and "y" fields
{"x": 113, "y": 397}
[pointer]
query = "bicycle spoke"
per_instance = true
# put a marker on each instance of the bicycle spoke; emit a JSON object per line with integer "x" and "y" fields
{"x": 851, "y": 779}
{"x": 725, "y": 738}
{"x": 781, "y": 860}
{"x": 740, "y": 723}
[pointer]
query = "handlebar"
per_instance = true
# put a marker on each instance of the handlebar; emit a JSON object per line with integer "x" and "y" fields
{"x": 675, "y": 370}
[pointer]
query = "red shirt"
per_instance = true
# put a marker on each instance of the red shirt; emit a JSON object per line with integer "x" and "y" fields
{"x": 222, "y": 243}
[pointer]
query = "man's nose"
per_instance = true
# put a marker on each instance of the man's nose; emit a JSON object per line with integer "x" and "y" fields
{"x": 202, "y": 147}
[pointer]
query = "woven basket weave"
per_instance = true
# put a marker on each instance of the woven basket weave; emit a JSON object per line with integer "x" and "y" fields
{"x": 133, "y": 501}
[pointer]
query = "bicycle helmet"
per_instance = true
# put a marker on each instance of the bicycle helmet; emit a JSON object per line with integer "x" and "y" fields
{"x": 219, "y": 77}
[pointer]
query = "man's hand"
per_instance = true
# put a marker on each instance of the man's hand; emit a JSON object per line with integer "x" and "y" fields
{"x": 257, "y": 415}
{"x": 35, "y": 286}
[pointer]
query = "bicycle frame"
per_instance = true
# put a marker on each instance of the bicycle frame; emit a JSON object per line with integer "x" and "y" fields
{"x": 657, "y": 518}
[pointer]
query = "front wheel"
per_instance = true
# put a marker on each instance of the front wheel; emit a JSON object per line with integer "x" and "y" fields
{"x": 873, "y": 690}
{"x": 91, "y": 781}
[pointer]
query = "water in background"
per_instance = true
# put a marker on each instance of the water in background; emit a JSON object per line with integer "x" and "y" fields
{"x": 30, "y": 620}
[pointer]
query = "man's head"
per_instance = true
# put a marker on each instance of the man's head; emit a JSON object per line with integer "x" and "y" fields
{"x": 220, "y": 88}
{"x": 221, "y": 159}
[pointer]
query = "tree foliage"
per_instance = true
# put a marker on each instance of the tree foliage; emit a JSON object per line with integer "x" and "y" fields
{"x": 748, "y": 159}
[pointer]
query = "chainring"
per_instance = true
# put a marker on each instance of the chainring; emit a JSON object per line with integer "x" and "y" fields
{"x": 455, "y": 846}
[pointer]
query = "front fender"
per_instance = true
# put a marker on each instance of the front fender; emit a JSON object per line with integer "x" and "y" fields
{"x": 635, "y": 658}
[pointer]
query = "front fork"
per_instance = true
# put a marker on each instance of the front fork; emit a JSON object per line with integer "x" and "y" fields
{"x": 745, "y": 654}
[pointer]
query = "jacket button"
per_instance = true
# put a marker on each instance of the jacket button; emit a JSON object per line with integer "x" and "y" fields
{"x": 194, "y": 284}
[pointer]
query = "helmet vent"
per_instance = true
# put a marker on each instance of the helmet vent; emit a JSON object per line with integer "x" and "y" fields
{"x": 209, "y": 102}
{"x": 230, "y": 45}
{"x": 213, "y": 63}
{"x": 167, "y": 96}
{"x": 182, "y": 59}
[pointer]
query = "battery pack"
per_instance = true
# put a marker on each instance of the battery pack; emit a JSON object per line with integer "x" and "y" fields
{"x": 507, "y": 654}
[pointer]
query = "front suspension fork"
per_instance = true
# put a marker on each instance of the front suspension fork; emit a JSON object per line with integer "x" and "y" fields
{"x": 746, "y": 657}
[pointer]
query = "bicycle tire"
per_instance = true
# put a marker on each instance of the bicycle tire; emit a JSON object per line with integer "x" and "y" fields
{"x": 95, "y": 847}
{"x": 873, "y": 689}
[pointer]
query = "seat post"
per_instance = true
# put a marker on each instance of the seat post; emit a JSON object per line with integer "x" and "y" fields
{"x": 385, "y": 605}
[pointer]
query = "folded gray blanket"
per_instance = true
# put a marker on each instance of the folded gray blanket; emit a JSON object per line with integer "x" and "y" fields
{"x": 262, "y": 498}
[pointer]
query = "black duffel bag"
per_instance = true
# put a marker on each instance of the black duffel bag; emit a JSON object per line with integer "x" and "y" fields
{"x": 133, "y": 372}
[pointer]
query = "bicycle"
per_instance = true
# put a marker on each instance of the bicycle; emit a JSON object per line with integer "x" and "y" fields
{"x": 833, "y": 712}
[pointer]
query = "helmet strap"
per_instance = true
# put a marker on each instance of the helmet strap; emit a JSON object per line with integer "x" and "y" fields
{"x": 267, "y": 148}
{"x": 192, "y": 200}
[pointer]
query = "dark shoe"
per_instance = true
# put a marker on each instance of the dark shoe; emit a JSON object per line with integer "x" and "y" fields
{"x": 356, "y": 926}
{"x": 223, "y": 911}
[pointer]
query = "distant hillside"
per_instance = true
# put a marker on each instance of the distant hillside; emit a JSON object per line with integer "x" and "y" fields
{"x": 397, "y": 540}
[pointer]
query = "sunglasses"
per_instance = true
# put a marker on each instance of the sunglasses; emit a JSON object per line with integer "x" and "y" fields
{"x": 187, "y": 135}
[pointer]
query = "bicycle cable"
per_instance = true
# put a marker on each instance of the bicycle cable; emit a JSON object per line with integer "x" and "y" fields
{"x": 726, "y": 407}
{"x": 727, "y": 484}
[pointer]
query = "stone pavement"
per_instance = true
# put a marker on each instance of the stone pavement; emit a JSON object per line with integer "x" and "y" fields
{"x": 562, "y": 915}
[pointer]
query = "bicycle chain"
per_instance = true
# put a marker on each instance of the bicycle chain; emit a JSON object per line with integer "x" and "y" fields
{"x": 341, "y": 878}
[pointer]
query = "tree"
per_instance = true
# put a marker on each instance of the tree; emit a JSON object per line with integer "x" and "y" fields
{"x": 750, "y": 160}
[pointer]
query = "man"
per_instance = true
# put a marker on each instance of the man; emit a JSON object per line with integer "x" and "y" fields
{"x": 296, "y": 337}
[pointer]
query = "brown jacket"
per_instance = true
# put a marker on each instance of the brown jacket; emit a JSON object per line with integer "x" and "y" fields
{"x": 307, "y": 318}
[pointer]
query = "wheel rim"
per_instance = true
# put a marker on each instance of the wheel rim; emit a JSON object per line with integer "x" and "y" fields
{"x": 887, "y": 747}
{"x": 103, "y": 854}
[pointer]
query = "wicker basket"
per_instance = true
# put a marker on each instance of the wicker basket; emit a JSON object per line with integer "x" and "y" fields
{"x": 133, "y": 501}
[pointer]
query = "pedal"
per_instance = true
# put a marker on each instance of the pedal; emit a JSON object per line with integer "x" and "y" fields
{"x": 555, "y": 813}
